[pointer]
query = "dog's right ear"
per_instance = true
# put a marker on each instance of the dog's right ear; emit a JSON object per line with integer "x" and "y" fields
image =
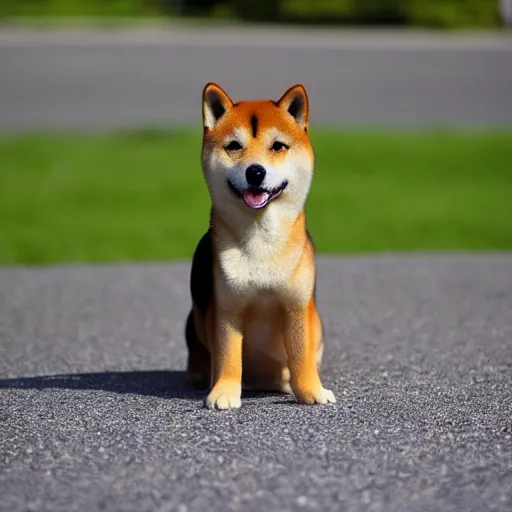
{"x": 216, "y": 103}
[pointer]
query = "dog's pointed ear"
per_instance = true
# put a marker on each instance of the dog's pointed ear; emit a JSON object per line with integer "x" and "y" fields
{"x": 295, "y": 102}
{"x": 216, "y": 103}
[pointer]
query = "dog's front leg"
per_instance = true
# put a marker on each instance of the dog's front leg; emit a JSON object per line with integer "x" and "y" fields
{"x": 226, "y": 358}
{"x": 302, "y": 358}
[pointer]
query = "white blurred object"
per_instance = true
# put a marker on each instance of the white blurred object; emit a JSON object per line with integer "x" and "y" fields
{"x": 506, "y": 11}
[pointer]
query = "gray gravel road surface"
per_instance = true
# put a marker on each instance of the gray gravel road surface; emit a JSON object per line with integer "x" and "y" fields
{"x": 83, "y": 79}
{"x": 94, "y": 414}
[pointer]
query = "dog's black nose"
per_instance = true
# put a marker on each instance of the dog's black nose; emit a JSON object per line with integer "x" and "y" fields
{"x": 255, "y": 175}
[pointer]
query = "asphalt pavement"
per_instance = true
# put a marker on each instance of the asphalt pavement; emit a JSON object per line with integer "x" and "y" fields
{"x": 116, "y": 78}
{"x": 94, "y": 414}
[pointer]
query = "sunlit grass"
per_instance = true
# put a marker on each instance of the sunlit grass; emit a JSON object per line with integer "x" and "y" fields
{"x": 141, "y": 196}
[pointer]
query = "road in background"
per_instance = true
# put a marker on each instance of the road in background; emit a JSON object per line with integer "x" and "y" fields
{"x": 94, "y": 414}
{"x": 99, "y": 79}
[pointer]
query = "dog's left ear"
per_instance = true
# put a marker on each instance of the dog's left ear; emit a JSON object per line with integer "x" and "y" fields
{"x": 295, "y": 102}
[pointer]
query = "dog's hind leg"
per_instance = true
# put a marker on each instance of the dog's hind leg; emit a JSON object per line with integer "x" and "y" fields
{"x": 198, "y": 367}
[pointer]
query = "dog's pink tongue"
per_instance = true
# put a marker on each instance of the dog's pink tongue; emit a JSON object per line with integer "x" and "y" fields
{"x": 255, "y": 200}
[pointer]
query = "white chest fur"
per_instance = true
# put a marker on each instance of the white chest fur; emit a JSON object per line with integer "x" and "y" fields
{"x": 261, "y": 267}
{"x": 247, "y": 268}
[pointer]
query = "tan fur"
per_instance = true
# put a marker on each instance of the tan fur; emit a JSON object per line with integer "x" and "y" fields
{"x": 262, "y": 324}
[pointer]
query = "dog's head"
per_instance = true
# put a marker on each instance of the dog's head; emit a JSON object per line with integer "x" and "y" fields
{"x": 256, "y": 154}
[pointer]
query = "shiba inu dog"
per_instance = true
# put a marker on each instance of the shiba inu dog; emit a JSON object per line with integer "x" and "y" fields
{"x": 254, "y": 318}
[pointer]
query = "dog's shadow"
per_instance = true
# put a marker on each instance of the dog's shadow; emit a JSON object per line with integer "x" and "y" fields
{"x": 157, "y": 383}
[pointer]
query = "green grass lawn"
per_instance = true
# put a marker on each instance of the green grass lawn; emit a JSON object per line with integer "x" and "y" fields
{"x": 140, "y": 195}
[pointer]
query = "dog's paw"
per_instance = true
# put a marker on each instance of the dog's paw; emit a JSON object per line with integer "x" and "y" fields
{"x": 286, "y": 389}
{"x": 224, "y": 396}
{"x": 320, "y": 396}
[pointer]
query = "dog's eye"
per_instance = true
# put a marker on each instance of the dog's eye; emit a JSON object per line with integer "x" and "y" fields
{"x": 279, "y": 146}
{"x": 233, "y": 146}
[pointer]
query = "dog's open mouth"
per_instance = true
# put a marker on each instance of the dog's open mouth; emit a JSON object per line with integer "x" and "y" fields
{"x": 258, "y": 197}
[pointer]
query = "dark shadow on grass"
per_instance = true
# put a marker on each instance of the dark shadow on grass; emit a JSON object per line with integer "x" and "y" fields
{"x": 158, "y": 383}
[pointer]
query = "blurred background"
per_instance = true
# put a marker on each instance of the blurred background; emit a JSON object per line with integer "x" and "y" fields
{"x": 100, "y": 120}
{"x": 434, "y": 13}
